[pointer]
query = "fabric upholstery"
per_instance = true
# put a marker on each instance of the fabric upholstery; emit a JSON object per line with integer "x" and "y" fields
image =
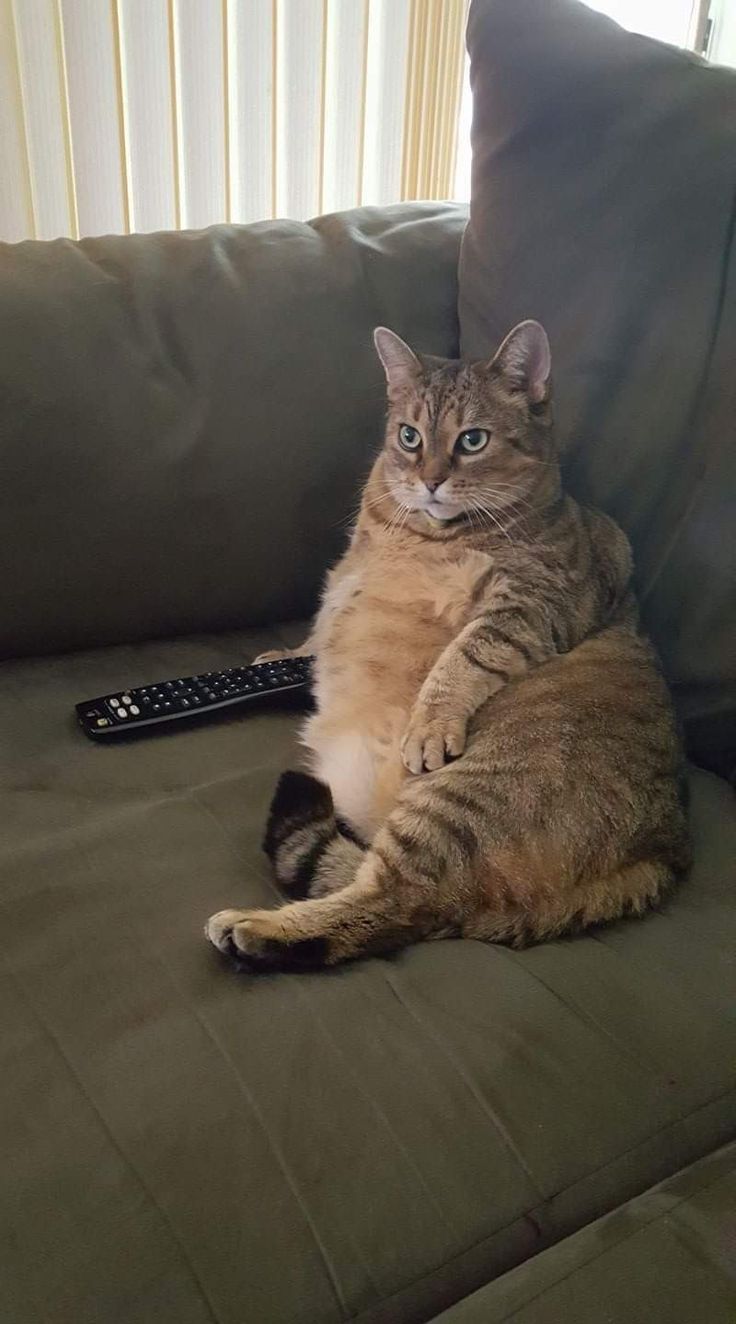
{"x": 180, "y": 1142}
{"x": 667, "y": 1258}
{"x": 604, "y": 180}
{"x": 185, "y": 418}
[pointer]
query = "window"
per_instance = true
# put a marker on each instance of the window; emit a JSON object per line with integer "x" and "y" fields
{"x": 120, "y": 115}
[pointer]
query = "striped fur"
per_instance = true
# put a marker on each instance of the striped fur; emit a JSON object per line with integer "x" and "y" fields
{"x": 310, "y": 852}
{"x": 489, "y": 718}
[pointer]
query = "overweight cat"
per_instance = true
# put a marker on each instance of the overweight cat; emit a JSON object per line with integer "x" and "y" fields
{"x": 493, "y": 748}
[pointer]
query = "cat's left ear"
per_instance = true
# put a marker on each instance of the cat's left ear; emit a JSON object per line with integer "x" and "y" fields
{"x": 525, "y": 359}
{"x": 400, "y": 363}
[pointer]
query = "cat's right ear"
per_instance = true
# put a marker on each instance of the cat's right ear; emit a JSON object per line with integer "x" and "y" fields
{"x": 400, "y": 364}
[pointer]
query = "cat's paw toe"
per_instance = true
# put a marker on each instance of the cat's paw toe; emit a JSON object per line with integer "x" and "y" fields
{"x": 249, "y": 937}
{"x": 220, "y": 928}
{"x": 431, "y": 741}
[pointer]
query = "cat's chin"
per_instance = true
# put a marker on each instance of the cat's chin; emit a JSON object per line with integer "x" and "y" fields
{"x": 438, "y": 517}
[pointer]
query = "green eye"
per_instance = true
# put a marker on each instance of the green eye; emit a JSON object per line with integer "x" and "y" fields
{"x": 409, "y": 438}
{"x": 472, "y": 441}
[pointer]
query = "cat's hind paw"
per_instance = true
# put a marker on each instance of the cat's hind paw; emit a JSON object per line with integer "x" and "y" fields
{"x": 262, "y": 940}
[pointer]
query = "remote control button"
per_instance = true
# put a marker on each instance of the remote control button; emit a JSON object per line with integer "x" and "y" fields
{"x": 127, "y": 700}
{"x": 185, "y": 703}
{"x": 146, "y": 698}
{"x": 114, "y": 703}
{"x": 121, "y": 714}
{"x": 157, "y": 707}
{"x": 135, "y": 710}
{"x": 102, "y": 721}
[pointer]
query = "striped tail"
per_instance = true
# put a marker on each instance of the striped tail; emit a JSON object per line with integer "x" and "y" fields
{"x": 312, "y": 854}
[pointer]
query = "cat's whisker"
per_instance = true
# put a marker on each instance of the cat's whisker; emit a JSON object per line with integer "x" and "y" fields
{"x": 399, "y": 516}
{"x": 405, "y": 513}
{"x": 376, "y": 500}
{"x": 485, "y": 510}
{"x": 386, "y": 489}
{"x": 502, "y": 496}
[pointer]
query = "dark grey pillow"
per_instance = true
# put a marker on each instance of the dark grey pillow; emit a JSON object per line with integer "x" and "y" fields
{"x": 604, "y": 183}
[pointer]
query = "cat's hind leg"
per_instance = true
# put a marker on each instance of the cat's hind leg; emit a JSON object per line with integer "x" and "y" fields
{"x": 414, "y": 882}
{"x": 373, "y": 914}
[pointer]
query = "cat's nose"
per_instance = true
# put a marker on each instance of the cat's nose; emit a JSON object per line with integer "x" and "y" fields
{"x": 432, "y": 484}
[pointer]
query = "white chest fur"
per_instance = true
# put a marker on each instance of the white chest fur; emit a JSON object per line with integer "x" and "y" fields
{"x": 384, "y": 621}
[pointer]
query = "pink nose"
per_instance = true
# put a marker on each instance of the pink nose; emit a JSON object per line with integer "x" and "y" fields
{"x": 432, "y": 484}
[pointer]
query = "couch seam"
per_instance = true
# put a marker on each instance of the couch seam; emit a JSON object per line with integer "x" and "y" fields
{"x": 520, "y": 1218}
{"x": 128, "y": 1162}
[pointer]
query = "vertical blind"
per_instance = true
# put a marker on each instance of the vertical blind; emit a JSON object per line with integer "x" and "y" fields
{"x": 121, "y": 115}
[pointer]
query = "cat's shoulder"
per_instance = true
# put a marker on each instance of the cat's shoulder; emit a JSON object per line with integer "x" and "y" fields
{"x": 612, "y": 554}
{"x": 606, "y": 534}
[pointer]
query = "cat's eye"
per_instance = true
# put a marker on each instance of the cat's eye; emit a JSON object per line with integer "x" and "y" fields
{"x": 472, "y": 441}
{"x": 409, "y": 438}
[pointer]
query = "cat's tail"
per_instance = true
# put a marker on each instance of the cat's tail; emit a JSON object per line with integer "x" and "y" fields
{"x": 311, "y": 853}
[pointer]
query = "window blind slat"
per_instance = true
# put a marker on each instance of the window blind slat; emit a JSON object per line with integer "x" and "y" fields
{"x": 149, "y": 113}
{"x": 44, "y": 107}
{"x": 251, "y": 60}
{"x": 345, "y": 74}
{"x": 199, "y": 42}
{"x": 299, "y": 107}
{"x": 385, "y": 97}
{"x": 95, "y": 117}
{"x": 16, "y": 211}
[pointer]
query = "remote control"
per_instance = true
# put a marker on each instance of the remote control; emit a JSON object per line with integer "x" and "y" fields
{"x": 128, "y": 711}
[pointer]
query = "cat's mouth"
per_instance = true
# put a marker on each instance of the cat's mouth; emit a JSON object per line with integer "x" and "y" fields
{"x": 441, "y": 512}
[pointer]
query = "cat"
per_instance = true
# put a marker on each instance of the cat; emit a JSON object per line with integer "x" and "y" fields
{"x": 494, "y": 750}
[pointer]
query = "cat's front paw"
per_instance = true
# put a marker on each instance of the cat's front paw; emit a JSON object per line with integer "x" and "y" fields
{"x": 434, "y": 735}
{"x": 273, "y": 655}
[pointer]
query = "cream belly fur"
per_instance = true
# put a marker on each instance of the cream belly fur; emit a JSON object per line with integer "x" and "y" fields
{"x": 386, "y": 616}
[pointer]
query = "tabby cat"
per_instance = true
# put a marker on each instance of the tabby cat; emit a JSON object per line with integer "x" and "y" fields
{"x": 494, "y": 749}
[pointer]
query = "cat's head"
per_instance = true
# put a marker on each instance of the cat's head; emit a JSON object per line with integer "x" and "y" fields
{"x": 468, "y": 438}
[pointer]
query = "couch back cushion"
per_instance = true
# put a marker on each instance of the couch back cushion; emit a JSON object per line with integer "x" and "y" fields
{"x": 185, "y": 418}
{"x": 604, "y": 179}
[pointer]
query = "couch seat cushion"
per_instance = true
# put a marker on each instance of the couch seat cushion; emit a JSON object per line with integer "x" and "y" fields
{"x": 668, "y": 1257}
{"x": 180, "y": 1142}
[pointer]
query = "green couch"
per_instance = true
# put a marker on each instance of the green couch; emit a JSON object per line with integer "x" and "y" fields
{"x": 185, "y": 422}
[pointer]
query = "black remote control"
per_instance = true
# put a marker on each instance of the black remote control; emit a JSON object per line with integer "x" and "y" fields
{"x": 128, "y": 711}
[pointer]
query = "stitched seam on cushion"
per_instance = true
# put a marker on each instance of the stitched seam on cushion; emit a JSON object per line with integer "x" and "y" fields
{"x": 117, "y": 1147}
{"x": 631, "y": 1235}
{"x": 483, "y": 1103}
{"x": 519, "y": 1220}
